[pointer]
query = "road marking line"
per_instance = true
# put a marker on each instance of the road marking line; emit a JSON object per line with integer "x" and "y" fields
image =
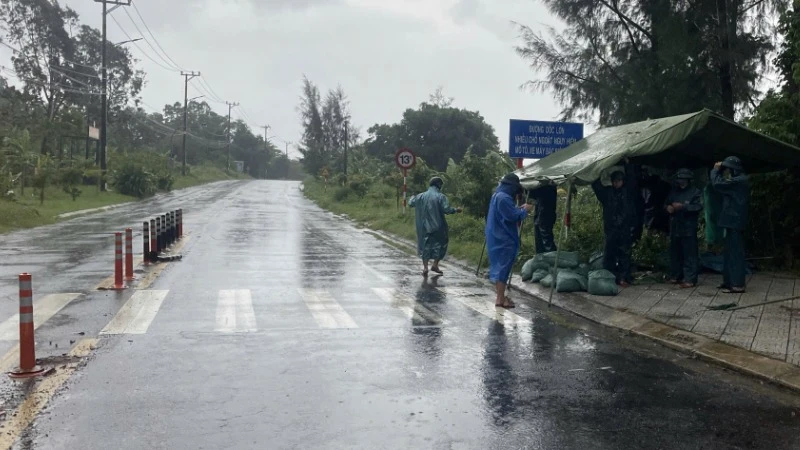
{"x": 381, "y": 276}
{"x": 10, "y": 359}
{"x": 408, "y": 305}
{"x": 235, "y": 312}
{"x": 326, "y": 311}
{"x": 473, "y": 301}
{"x": 40, "y": 395}
{"x": 43, "y": 309}
{"x": 136, "y": 314}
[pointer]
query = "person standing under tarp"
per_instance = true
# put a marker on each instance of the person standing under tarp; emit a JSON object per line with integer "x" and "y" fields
{"x": 544, "y": 218}
{"x": 502, "y": 235}
{"x": 683, "y": 205}
{"x": 432, "y": 231}
{"x": 619, "y": 218}
{"x": 729, "y": 180}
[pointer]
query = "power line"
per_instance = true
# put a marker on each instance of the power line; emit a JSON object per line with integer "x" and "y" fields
{"x": 153, "y": 36}
{"x": 208, "y": 85}
{"x": 149, "y": 44}
{"x": 140, "y": 48}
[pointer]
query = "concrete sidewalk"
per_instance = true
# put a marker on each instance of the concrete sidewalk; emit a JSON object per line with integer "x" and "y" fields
{"x": 762, "y": 340}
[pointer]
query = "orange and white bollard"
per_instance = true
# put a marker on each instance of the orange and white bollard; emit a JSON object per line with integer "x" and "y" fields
{"x": 129, "y": 254}
{"x": 180, "y": 223}
{"x": 118, "y": 283}
{"x": 27, "y": 343}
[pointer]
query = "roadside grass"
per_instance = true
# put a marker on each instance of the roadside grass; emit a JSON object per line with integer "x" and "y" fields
{"x": 205, "y": 174}
{"x": 26, "y": 212}
{"x": 380, "y": 209}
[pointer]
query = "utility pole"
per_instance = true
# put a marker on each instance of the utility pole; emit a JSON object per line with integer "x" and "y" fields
{"x": 104, "y": 96}
{"x": 345, "y": 151}
{"x": 188, "y": 76}
{"x": 230, "y": 107}
{"x": 266, "y": 142}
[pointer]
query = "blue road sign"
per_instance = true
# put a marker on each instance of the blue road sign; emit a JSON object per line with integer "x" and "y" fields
{"x": 535, "y": 139}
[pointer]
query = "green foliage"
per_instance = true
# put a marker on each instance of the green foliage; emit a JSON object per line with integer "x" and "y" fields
{"x": 69, "y": 179}
{"x": 341, "y": 194}
{"x": 436, "y": 133}
{"x": 135, "y": 180}
{"x": 627, "y": 61}
{"x": 652, "y": 251}
{"x": 359, "y": 184}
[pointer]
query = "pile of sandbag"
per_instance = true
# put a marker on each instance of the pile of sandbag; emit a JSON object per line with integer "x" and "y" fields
{"x": 571, "y": 275}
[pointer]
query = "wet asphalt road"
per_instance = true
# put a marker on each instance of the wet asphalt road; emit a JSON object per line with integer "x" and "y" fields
{"x": 285, "y": 327}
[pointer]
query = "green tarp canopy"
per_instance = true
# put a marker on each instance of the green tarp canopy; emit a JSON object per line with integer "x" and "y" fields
{"x": 692, "y": 140}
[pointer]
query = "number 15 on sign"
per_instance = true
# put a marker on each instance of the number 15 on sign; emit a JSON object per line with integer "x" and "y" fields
{"x": 405, "y": 159}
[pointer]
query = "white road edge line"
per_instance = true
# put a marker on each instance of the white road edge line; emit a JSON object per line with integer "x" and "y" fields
{"x": 326, "y": 310}
{"x": 43, "y": 310}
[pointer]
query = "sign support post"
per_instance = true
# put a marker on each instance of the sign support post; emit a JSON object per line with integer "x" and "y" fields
{"x": 405, "y": 159}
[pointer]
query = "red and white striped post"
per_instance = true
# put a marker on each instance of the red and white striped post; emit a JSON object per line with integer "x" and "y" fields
{"x": 153, "y": 243}
{"x": 118, "y": 283}
{"x": 129, "y": 254}
{"x": 27, "y": 342}
{"x": 146, "y": 242}
{"x": 405, "y": 189}
{"x": 180, "y": 223}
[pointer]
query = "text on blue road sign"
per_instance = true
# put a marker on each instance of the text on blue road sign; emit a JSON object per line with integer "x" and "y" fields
{"x": 535, "y": 139}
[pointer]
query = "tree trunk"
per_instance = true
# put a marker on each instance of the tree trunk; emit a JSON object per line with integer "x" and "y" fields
{"x": 724, "y": 70}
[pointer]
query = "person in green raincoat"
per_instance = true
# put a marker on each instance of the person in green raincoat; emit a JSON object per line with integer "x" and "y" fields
{"x": 432, "y": 232}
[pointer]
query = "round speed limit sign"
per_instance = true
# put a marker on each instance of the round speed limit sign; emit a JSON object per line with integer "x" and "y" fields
{"x": 405, "y": 158}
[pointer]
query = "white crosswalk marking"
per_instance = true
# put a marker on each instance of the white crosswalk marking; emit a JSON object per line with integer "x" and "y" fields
{"x": 408, "y": 305}
{"x": 235, "y": 312}
{"x": 477, "y": 302}
{"x": 326, "y": 311}
{"x": 137, "y": 313}
{"x": 43, "y": 309}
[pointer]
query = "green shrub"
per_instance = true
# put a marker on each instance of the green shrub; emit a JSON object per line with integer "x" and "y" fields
{"x": 342, "y": 193}
{"x": 359, "y": 185}
{"x": 69, "y": 179}
{"x": 135, "y": 180}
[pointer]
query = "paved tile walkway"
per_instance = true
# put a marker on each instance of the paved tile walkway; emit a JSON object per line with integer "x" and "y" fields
{"x": 770, "y": 330}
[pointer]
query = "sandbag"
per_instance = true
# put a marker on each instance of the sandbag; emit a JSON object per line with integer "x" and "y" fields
{"x": 603, "y": 282}
{"x": 566, "y": 260}
{"x": 547, "y": 281}
{"x": 596, "y": 261}
{"x": 539, "y": 274}
{"x": 540, "y": 263}
{"x": 570, "y": 281}
{"x": 527, "y": 270}
{"x": 583, "y": 270}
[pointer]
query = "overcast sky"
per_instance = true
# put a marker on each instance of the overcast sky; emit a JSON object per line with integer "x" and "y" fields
{"x": 388, "y": 55}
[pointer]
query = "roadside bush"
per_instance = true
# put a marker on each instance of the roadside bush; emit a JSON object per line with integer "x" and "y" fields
{"x": 342, "y": 194}
{"x": 69, "y": 179}
{"x": 359, "y": 185}
{"x": 134, "y": 180}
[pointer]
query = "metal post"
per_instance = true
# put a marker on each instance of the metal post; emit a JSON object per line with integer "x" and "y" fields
{"x": 164, "y": 239}
{"x": 159, "y": 242}
{"x": 180, "y": 223}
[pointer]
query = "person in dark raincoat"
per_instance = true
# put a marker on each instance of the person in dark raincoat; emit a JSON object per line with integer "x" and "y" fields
{"x": 729, "y": 180}
{"x": 684, "y": 204}
{"x": 502, "y": 234}
{"x": 432, "y": 232}
{"x": 544, "y": 218}
{"x": 619, "y": 219}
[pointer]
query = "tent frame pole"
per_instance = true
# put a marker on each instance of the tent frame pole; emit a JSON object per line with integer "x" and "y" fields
{"x": 563, "y": 234}
{"x": 519, "y": 230}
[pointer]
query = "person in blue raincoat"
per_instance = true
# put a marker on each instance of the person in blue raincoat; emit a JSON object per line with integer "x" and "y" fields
{"x": 502, "y": 235}
{"x": 432, "y": 232}
{"x": 729, "y": 179}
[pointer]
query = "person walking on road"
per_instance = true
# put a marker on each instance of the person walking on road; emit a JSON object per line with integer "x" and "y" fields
{"x": 619, "y": 219}
{"x": 683, "y": 205}
{"x": 544, "y": 218}
{"x": 729, "y": 180}
{"x": 502, "y": 234}
{"x": 432, "y": 231}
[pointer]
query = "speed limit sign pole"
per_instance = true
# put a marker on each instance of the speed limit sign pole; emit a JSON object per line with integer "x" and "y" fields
{"x": 405, "y": 189}
{"x": 405, "y": 159}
